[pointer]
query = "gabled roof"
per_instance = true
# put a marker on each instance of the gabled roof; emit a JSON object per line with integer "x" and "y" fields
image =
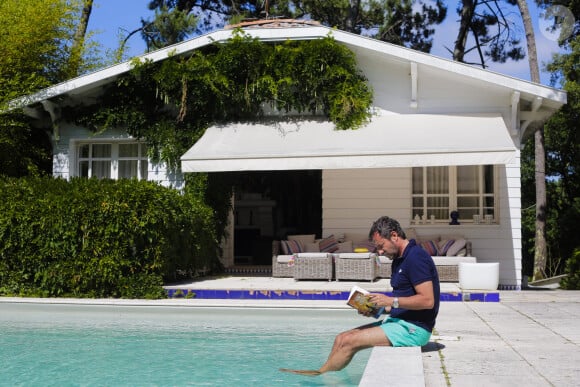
{"x": 360, "y": 45}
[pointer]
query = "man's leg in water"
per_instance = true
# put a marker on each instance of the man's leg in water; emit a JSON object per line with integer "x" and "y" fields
{"x": 346, "y": 345}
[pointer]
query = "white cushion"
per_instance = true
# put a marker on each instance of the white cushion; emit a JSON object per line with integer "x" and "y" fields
{"x": 355, "y": 255}
{"x": 313, "y": 247}
{"x": 284, "y": 258}
{"x": 313, "y": 255}
{"x": 444, "y": 261}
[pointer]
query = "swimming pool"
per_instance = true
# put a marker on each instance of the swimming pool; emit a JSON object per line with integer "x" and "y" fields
{"x": 95, "y": 345}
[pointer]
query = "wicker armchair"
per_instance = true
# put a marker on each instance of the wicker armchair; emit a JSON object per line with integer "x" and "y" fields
{"x": 313, "y": 266}
{"x": 356, "y": 266}
{"x": 448, "y": 267}
{"x": 384, "y": 267}
{"x": 448, "y": 273}
{"x": 282, "y": 265}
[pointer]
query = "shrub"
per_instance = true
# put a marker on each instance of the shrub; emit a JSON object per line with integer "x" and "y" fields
{"x": 99, "y": 238}
{"x": 572, "y": 280}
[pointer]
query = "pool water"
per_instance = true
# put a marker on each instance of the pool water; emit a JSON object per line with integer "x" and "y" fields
{"x": 96, "y": 345}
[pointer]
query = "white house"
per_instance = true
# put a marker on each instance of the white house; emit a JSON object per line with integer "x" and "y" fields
{"x": 444, "y": 136}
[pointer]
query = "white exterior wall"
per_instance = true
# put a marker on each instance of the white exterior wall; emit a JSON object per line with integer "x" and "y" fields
{"x": 64, "y": 157}
{"x": 391, "y": 83}
{"x": 353, "y": 199}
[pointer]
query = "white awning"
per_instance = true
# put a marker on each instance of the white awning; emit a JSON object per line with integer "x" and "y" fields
{"x": 387, "y": 141}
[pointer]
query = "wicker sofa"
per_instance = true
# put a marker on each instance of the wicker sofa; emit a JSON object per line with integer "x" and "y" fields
{"x": 313, "y": 266}
{"x": 356, "y": 266}
{"x": 292, "y": 257}
{"x": 447, "y": 251}
{"x": 349, "y": 263}
{"x": 447, "y": 267}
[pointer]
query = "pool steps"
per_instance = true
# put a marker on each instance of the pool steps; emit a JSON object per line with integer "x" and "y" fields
{"x": 394, "y": 367}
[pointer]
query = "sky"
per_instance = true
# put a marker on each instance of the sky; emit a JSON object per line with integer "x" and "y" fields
{"x": 110, "y": 17}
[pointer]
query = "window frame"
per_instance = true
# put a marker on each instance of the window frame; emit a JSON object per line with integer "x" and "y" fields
{"x": 482, "y": 209}
{"x": 113, "y": 159}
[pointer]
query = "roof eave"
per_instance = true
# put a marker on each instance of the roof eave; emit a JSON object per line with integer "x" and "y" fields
{"x": 557, "y": 97}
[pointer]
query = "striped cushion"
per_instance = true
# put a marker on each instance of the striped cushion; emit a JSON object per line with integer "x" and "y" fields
{"x": 292, "y": 247}
{"x": 430, "y": 247}
{"x": 328, "y": 244}
{"x": 456, "y": 247}
{"x": 444, "y": 246}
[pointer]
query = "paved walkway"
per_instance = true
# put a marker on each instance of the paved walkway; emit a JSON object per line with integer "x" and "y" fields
{"x": 530, "y": 338}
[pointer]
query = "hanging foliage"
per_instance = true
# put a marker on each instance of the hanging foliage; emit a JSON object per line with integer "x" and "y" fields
{"x": 172, "y": 102}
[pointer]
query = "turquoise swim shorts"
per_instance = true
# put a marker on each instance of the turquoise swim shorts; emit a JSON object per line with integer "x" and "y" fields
{"x": 403, "y": 334}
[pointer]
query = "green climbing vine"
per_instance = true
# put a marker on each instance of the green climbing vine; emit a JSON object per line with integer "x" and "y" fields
{"x": 170, "y": 103}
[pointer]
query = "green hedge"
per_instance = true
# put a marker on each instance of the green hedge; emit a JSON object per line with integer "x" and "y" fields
{"x": 572, "y": 281}
{"x": 99, "y": 238}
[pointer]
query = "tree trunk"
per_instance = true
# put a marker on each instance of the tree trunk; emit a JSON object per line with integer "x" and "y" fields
{"x": 467, "y": 11}
{"x": 540, "y": 249}
{"x": 530, "y": 41}
{"x": 79, "y": 40}
{"x": 353, "y": 14}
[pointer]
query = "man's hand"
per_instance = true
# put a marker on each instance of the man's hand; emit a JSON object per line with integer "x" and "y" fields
{"x": 381, "y": 300}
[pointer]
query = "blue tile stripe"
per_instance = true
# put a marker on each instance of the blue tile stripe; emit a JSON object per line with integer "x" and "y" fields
{"x": 321, "y": 295}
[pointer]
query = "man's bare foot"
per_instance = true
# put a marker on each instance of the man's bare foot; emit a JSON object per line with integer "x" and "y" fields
{"x": 302, "y": 372}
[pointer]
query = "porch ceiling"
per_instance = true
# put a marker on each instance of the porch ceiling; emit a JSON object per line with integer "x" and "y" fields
{"x": 388, "y": 141}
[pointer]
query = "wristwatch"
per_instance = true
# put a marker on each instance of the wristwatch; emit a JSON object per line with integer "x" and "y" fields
{"x": 395, "y": 302}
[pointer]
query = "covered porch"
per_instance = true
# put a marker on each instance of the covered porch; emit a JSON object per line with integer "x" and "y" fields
{"x": 366, "y": 173}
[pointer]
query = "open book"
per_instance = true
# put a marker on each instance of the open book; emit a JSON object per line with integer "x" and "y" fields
{"x": 359, "y": 299}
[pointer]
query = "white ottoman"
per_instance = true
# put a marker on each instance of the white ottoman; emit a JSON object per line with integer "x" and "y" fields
{"x": 479, "y": 276}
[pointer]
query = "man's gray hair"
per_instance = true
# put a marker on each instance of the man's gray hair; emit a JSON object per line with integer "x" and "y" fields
{"x": 384, "y": 226}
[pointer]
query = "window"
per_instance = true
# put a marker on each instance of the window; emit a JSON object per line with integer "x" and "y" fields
{"x": 469, "y": 189}
{"x": 118, "y": 160}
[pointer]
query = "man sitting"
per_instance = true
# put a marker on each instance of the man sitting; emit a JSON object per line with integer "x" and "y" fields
{"x": 413, "y": 307}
